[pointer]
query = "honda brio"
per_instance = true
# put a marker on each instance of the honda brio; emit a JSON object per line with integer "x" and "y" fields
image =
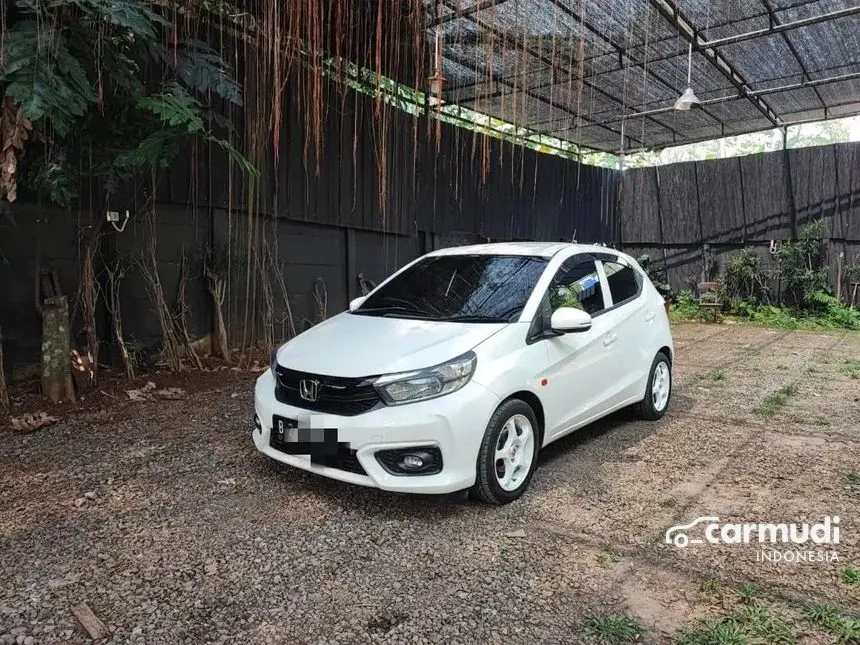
{"x": 454, "y": 372}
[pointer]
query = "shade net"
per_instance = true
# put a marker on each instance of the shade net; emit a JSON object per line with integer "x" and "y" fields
{"x": 581, "y": 70}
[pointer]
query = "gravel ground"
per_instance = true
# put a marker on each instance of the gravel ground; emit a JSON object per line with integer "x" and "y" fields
{"x": 172, "y": 528}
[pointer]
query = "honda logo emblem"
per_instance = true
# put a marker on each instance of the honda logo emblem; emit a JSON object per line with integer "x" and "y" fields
{"x": 309, "y": 390}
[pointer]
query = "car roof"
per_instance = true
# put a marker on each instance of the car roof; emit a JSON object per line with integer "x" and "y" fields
{"x": 541, "y": 249}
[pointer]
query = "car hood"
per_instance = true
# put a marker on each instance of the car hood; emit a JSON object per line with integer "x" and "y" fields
{"x": 358, "y": 345}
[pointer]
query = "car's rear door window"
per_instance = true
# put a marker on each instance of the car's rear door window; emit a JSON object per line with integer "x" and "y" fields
{"x": 624, "y": 283}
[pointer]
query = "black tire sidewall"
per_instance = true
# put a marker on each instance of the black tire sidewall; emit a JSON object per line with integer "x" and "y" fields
{"x": 487, "y": 486}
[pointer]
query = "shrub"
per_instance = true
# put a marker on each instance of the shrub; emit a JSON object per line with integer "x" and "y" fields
{"x": 834, "y": 312}
{"x": 802, "y": 267}
{"x": 657, "y": 274}
{"x": 745, "y": 281}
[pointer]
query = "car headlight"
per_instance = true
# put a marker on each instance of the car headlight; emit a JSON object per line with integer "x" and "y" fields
{"x": 420, "y": 385}
{"x": 273, "y": 362}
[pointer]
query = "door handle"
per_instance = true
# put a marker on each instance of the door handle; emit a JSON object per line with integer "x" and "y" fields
{"x": 650, "y": 316}
{"x": 609, "y": 339}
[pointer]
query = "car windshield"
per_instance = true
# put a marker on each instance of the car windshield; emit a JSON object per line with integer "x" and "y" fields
{"x": 459, "y": 288}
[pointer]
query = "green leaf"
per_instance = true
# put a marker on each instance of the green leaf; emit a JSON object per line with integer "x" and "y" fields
{"x": 43, "y": 76}
{"x": 203, "y": 70}
{"x": 237, "y": 157}
{"x": 175, "y": 107}
{"x": 53, "y": 176}
{"x": 131, "y": 15}
{"x": 159, "y": 148}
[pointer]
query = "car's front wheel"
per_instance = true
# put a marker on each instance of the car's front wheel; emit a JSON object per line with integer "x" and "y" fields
{"x": 508, "y": 454}
{"x": 659, "y": 390}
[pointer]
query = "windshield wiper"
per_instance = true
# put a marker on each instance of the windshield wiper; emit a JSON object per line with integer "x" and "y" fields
{"x": 475, "y": 318}
{"x": 394, "y": 312}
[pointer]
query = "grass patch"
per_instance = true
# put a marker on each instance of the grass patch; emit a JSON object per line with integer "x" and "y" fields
{"x": 716, "y": 375}
{"x": 761, "y": 624}
{"x": 853, "y": 479}
{"x": 614, "y": 630}
{"x": 811, "y": 370}
{"x": 667, "y": 502}
{"x": 709, "y": 587}
{"x": 842, "y": 629}
{"x": 748, "y": 594}
{"x": 751, "y": 623}
{"x": 851, "y": 576}
{"x": 817, "y": 420}
{"x": 825, "y": 316}
{"x": 775, "y": 401}
{"x": 607, "y": 557}
{"x": 720, "y": 632}
{"x": 850, "y": 367}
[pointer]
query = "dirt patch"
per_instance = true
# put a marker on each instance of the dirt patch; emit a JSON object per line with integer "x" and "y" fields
{"x": 162, "y": 517}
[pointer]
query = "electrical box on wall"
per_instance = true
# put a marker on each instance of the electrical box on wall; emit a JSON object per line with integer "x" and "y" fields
{"x": 114, "y": 217}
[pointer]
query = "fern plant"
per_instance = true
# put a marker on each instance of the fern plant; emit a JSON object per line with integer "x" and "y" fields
{"x": 109, "y": 88}
{"x": 802, "y": 266}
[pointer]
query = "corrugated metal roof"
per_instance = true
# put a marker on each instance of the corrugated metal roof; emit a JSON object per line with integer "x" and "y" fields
{"x": 585, "y": 70}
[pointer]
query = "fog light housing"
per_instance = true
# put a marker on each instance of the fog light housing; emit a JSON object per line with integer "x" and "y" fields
{"x": 257, "y": 424}
{"x": 412, "y": 462}
{"x": 421, "y": 460}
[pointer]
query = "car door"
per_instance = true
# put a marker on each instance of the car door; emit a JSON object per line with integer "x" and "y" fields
{"x": 577, "y": 375}
{"x": 628, "y": 316}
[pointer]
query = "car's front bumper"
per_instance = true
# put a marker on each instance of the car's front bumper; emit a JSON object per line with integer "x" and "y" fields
{"x": 454, "y": 423}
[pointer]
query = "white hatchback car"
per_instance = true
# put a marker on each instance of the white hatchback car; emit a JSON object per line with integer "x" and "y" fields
{"x": 456, "y": 370}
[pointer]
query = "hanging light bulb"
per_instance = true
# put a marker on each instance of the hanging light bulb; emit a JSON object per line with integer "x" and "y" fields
{"x": 688, "y": 98}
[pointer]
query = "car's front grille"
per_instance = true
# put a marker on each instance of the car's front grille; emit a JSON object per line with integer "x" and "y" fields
{"x": 345, "y": 459}
{"x": 334, "y": 394}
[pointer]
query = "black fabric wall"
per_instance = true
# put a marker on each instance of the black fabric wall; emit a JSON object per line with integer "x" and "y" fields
{"x": 671, "y": 211}
{"x": 322, "y": 225}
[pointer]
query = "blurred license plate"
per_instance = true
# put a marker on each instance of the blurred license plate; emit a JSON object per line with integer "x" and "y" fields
{"x": 288, "y": 437}
{"x": 284, "y": 430}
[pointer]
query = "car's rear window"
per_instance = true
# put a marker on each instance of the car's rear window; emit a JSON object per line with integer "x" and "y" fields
{"x": 466, "y": 288}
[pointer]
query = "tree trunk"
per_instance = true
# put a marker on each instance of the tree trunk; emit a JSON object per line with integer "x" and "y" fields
{"x": 220, "y": 345}
{"x": 4, "y": 393}
{"x": 89, "y": 299}
{"x": 56, "y": 349}
{"x": 221, "y": 334}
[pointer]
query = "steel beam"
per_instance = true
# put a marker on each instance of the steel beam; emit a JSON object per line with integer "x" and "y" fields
{"x": 685, "y": 27}
{"x": 759, "y": 33}
{"x": 787, "y": 124}
{"x": 774, "y": 21}
{"x": 463, "y": 13}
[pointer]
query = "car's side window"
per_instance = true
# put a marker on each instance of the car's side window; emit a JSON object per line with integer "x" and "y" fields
{"x": 623, "y": 282}
{"x": 577, "y": 284}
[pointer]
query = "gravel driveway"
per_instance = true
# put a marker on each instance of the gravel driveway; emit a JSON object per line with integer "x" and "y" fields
{"x": 174, "y": 530}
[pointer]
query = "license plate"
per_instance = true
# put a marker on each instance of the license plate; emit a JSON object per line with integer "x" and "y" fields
{"x": 284, "y": 430}
{"x": 293, "y": 438}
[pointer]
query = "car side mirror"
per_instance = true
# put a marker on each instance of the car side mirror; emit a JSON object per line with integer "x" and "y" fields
{"x": 355, "y": 303}
{"x": 566, "y": 320}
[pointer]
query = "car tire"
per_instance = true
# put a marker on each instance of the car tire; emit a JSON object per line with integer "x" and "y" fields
{"x": 659, "y": 389}
{"x": 512, "y": 429}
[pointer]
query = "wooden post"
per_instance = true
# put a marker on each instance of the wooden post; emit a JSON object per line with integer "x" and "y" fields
{"x": 56, "y": 365}
{"x": 4, "y": 393}
{"x": 351, "y": 267}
